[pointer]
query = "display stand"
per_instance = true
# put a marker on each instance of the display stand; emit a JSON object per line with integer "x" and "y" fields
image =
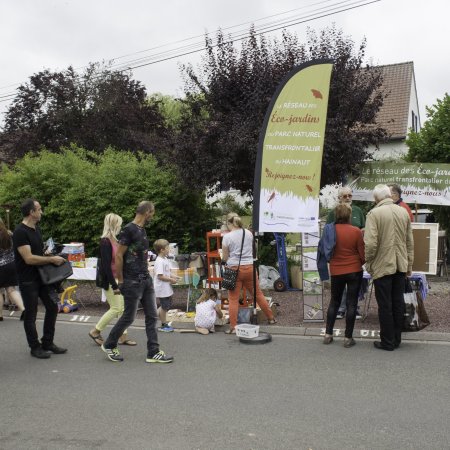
{"x": 213, "y": 259}
{"x": 312, "y": 286}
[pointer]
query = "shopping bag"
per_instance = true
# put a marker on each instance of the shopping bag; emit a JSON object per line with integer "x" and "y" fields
{"x": 424, "y": 320}
{"x": 415, "y": 318}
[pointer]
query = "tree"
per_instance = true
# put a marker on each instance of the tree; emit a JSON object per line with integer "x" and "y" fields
{"x": 229, "y": 95}
{"x": 77, "y": 188}
{"x": 95, "y": 109}
{"x": 432, "y": 144}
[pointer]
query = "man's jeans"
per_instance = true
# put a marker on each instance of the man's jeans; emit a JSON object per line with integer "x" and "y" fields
{"x": 391, "y": 307}
{"x": 133, "y": 292}
{"x": 31, "y": 291}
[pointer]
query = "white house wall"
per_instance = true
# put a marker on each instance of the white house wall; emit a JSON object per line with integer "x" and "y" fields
{"x": 389, "y": 150}
{"x": 413, "y": 105}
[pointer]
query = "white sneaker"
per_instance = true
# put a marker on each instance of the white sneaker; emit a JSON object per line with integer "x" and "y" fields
{"x": 340, "y": 315}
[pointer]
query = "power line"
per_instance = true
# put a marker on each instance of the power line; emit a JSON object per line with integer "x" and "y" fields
{"x": 178, "y": 52}
{"x": 237, "y": 38}
{"x": 225, "y": 29}
{"x": 196, "y": 37}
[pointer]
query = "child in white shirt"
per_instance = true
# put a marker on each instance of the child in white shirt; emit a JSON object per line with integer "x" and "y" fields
{"x": 162, "y": 280}
{"x": 206, "y": 311}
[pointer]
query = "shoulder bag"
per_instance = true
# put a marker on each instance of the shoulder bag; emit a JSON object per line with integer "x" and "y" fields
{"x": 99, "y": 278}
{"x": 51, "y": 274}
{"x": 229, "y": 276}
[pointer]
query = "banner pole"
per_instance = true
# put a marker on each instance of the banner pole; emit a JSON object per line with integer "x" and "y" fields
{"x": 255, "y": 261}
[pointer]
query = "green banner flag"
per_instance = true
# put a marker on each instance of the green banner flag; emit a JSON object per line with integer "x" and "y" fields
{"x": 424, "y": 183}
{"x": 289, "y": 161}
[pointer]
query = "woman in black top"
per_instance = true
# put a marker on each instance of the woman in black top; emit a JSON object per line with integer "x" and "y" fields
{"x": 108, "y": 249}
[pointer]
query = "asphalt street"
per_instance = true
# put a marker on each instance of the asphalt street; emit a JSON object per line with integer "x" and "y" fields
{"x": 293, "y": 393}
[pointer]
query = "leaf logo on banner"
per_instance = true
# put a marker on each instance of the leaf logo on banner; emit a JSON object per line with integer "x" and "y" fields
{"x": 271, "y": 198}
{"x": 316, "y": 93}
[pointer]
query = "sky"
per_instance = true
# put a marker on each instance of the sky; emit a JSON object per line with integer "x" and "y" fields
{"x": 54, "y": 34}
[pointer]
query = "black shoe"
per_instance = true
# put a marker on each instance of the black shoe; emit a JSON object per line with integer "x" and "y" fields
{"x": 54, "y": 349}
{"x": 380, "y": 346}
{"x": 40, "y": 353}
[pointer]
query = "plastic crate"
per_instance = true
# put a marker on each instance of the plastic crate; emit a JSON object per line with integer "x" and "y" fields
{"x": 246, "y": 330}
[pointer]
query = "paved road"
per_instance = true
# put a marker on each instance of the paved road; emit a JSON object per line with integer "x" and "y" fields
{"x": 293, "y": 393}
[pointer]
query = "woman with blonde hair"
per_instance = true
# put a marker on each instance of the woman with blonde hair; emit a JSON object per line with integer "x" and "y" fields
{"x": 8, "y": 276}
{"x": 237, "y": 252}
{"x": 108, "y": 281}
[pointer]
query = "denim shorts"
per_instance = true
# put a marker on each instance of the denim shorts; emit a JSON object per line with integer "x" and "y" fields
{"x": 165, "y": 303}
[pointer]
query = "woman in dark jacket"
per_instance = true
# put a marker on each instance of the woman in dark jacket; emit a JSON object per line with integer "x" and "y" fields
{"x": 107, "y": 272}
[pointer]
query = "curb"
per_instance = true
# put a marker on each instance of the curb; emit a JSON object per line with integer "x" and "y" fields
{"x": 419, "y": 336}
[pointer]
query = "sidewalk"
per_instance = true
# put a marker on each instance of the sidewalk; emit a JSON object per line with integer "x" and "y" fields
{"x": 309, "y": 331}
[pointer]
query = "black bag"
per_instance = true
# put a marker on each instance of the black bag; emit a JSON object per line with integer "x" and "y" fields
{"x": 416, "y": 318}
{"x": 229, "y": 276}
{"x": 51, "y": 274}
{"x": 99, "y": 277}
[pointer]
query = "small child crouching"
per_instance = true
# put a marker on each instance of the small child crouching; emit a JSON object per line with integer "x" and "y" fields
{"x": 206, "y": 311}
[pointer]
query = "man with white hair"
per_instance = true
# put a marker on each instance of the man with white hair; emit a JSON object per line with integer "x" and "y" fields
{"x": 345, "y": 196}
{"x": 389, "y": 249}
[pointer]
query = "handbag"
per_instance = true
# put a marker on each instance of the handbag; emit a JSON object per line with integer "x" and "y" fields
{"x": 415, "y": 318}
{"x": 51, "y": 274}
{"x": 229, "y": 276}
{"x": 99, "y": 278}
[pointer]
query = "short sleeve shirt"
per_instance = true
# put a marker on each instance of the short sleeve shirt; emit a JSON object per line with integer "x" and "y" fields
{"x": 358, "y": 219}
{"x": 25, "y": 235}
{"x": 233, "y": 240}
{"x": 135, "y": 266}
{"x": 163, "y": 289}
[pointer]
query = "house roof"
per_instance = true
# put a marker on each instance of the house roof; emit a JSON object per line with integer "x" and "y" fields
{"x": 397, "y": 84}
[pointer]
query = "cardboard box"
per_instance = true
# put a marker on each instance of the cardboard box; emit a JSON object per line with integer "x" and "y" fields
{"x": 261, "y": 317}
{"x": 77, "y": 259}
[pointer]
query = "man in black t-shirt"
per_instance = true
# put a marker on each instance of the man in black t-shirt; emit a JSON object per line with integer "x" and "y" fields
{"x": 136, "y": 284}
{"x": 29, "y": 253}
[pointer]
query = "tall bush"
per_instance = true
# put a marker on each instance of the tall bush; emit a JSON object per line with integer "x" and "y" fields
{"x": 76, "y": 188}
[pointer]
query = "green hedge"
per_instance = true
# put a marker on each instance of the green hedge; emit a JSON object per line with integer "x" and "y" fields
{"x": 76, "y": 188}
